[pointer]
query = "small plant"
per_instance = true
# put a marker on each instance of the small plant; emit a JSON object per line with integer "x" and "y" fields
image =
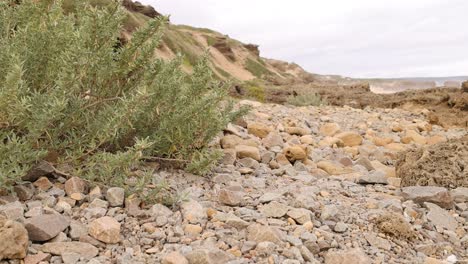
{"x": 310, "y": 99}
{"x": 72, "y": 95}
{"x": 256, "y": 92}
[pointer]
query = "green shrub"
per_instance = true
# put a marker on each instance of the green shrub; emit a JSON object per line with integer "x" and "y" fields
{"x": 256, "y": 68}
{"x": 311, "y": 99}
{"x": 69, "y": 90}
{"x": 256, "y": 92}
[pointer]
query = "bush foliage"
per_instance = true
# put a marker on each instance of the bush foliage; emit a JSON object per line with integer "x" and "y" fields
{"x": 71, "y": 94}
{"x": 310, "y": 99}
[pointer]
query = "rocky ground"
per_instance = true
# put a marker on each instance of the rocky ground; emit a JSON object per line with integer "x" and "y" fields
{"x": 296, "y": 185}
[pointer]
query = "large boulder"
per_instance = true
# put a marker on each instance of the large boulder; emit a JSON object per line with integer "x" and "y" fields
{"x": 444, "y": 164}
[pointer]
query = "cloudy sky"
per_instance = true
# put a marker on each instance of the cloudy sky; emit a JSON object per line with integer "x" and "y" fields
{"x": 356, "y": 38}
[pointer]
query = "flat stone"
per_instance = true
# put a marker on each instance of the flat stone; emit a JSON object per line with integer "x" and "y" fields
{"x": 333, "y": 168}
{"x": 260, "y": 233}
{"x": 378, "y": 242}
{"x": 45, "y": 227}
{"x": 236, "y": 222}
{"x": 300, "y": 215}
{"x": 85, "y": 250}
{"x": 105, "y": 229}
{"x": 37, "y": 258}
{"x": 208, "y": 256}
{"x": 174, "y": 258}
{"x": 440, "y": 217}
{"x": 115, "y": 196}
{"x": 373, "y": 178}
{"x": 430, "y": 194}
{"x": 268, "y": 197}
{"x": 13, "y": 239}
{"x": 352, "y": 256}
{"x": 274, "y": 209}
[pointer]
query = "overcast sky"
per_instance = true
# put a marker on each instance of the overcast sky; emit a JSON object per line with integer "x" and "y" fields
{"x": 356, "y": 38}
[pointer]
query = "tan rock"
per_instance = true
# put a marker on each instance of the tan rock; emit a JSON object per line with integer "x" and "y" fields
{"x": 354, "y": 151}
{"x": 330, "y": 142}
{"x": 413, "y": 136}
{"x": 350, "y": 139}
{"x": 174, "y": 258}
{"x": 192, "y": 230}
{"x": 298, "y": 131}
{"x": 230, "y": 141}
{"x": 85, "y": 250}
{"x": 307, "y": 139}
{"x": 429, "y": 260}
{"x": 259, "y": 130}
{"x": 244, "y": 151}
{"x": 14, "y": 239}
{"x": 294, "y": 153}
{"x": 436, "y": 139}
{"x": 333, "y": 168}
{"x": 329, "y": 129}
{"x": 389, "y": 171}
{"x": 381, "y": 141}
{"x": 397, "y": 128}
{"x": 396, "y": 147}
{"x": 105, "y": 229}
{"x": 274, "y": 164}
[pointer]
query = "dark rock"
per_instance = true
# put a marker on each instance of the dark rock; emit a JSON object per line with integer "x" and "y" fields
{"x": 43, "y": 168}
